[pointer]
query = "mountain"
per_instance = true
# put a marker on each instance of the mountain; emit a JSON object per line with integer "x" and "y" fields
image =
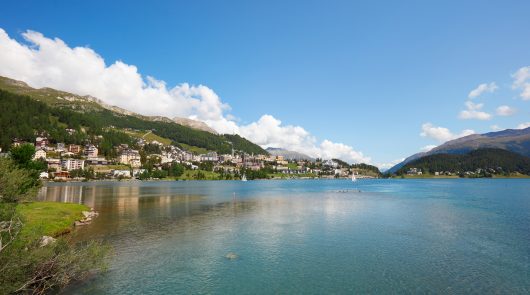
{"x": 493, "y": 159}
{"x": 288, "y": 155}
{"x": 514, "y": 140}
{"x": 57, "y": 98}
{"x": 194, "y": 124}
{"x": 27, "y": 112}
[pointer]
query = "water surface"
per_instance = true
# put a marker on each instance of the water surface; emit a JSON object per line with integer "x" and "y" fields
{"x": 309, "y": 236}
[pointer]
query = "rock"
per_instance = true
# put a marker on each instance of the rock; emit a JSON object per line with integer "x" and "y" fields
{"x": 79, "y": 223}
{"x": 46, "y": 240}
{"x": 231, "y": 256}
{"x": 86, "y": 213}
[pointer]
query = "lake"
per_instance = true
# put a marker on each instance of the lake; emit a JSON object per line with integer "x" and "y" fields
{"x": 308, "y": 236}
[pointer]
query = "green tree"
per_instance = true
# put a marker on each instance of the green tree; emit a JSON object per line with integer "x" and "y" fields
{"x": 23, "y": 154}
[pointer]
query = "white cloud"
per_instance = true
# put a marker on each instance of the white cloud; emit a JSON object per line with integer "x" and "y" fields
{"x": 428, "y": 147}
{"x": 442, "y": 134}
{"x": 269, "y": 132}
{"x": 523, "y": 125}
{"x": 482, "y": 88}
{"x": 505, "y": 110}
{"x": 473, "y": 112}
{"x": 522, "y": 81}
{"x": 495, "y": 128}
{"x": 45, "y": 62}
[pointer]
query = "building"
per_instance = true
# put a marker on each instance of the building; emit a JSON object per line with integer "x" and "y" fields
{"x": 41, "y": 142}
{"x": 18, "y": 142}
{"x": 130, "y": 157}
{"x": 72, "y": 164}
{"x": 91, "y": 151}
{"x": 330, "y": 163}
{"x": 39, "y": 154}
{"x": 211, "y": 156}
{"x": 60, "y": 147}
{"x": 74, "y": 148}
{"x": 54, "y": 164}
{"x": 62, "y": 175}
{"x": 414, "y": 171}
{"x": 70, "y": 131}
{"x": 96, "y": 161}
{"x": 121, "y": 173}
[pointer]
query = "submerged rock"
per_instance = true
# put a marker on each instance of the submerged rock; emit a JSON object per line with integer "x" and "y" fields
{"x": 231, "y": 256}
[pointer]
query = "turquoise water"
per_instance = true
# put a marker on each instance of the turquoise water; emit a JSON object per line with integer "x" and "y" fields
{"x": 309, "y": 236}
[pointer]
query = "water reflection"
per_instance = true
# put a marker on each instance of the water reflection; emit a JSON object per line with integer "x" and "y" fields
{"x": 304, "y": 237}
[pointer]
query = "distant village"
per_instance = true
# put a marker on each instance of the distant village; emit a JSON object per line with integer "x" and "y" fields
{"x": 67, "y": 162}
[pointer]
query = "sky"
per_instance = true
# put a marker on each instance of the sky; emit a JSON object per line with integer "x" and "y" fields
{"x": 364, "y": 81}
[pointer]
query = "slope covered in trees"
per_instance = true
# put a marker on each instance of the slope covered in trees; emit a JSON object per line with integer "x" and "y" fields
{"x": 23, "y": 117}
{"x": 496, "y": 160}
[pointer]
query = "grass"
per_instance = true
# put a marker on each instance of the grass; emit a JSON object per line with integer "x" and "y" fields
{"x": 193, "y": 149}
{"x": 148, "y": 136}
{"x": 292, "y": 166}
{"x": 191, "y": 175}
{"x": 48, "y": 218}
{"x": 98, "y": 168}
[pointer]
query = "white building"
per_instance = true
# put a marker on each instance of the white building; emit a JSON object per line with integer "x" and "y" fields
{"x": 39, "y": 154}
{"x": 122, "y": 173}
{"x": 91, "y": 151}
{"x": 72, "y": 164}
{"x": 211, "y": 156}
{"x": 130, "y": 157}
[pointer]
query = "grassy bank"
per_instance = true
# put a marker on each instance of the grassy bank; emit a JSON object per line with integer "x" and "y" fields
{"x": 48, "y": 218}
{"x": 199, "y": 175}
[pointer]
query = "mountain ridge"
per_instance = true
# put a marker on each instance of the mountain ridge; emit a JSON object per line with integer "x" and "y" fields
{"x": 287, "y": 154}
{"x": 514, "y": 140}
{"x": 54, "y": 97}
{"x": 73, "y": 111}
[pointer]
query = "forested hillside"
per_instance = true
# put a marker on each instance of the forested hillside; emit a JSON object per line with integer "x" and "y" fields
{"x": 497, "y": 161}
{"x": 23, "y": 117}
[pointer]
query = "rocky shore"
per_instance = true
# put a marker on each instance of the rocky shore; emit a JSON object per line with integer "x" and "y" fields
{"x": 88, "y": 216}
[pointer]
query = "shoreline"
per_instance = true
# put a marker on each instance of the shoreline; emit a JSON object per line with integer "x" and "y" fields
{"x": 284, "y": 179}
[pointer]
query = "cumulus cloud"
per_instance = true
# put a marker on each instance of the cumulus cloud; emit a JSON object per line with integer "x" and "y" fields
{"x": 505, "y": 110}
{"x": 442, "y": 134}
{"x": 269, "y": 132}
{"x": 45, "y": 62}
{"x": 523, "y": 125}
{"x": 522, "y": 81}
{"x": 474, "y": 112}
{"x": 482, "y": 88}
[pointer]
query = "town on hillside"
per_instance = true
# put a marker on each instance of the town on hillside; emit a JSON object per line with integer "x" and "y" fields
{"x": 146, "y": 160}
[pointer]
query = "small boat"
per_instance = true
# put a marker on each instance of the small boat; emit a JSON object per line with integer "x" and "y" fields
{"x": 244, "y": 178}
{"x": 353, "y": 178}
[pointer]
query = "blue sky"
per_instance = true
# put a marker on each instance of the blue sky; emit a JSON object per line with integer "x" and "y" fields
{"x": 367, "y": 74}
